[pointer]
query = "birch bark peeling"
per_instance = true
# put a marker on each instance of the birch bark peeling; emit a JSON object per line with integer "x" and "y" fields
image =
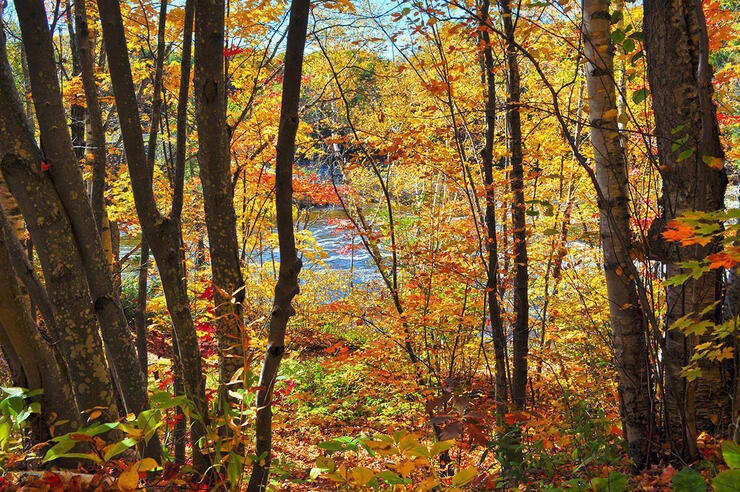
{"x": 625, "y": 315}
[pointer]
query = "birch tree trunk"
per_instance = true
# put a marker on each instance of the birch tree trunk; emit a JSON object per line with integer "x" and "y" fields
{"x": 625, "y": 315}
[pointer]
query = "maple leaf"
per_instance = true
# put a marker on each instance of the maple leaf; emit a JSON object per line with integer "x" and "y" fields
{"x": 679, "y": 231}
{"x": 722, "y": 260}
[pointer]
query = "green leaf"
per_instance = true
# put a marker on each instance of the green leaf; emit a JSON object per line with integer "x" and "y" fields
{"x": 689, "y": 480}
{"x": 616, "y": 482}
{"x": 628, "y": 46}
{"x": 727, "y": 481}
{"x": 685, "y": 154}
{"x": 677, "y": 129}
{"x": 441, "y": 446}
{"x": 677, "y": 279}
{"x": 119, "y": 448}
{"x": 464, "y": 476}
{"x": 731, "y": 454}
{"x": 391, "y": 478}
{"x": 640, "y": 95}
{"x": 331, "y": 445}
{"x": 617, "y": 16}
{"x": 618, "y": 36}
{"x": 59, "y": 449}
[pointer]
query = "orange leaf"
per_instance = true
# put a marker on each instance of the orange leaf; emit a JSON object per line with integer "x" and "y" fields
{"x": 722, "y": 259}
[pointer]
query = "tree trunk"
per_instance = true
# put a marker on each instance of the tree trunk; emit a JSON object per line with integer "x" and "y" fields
{"x": 162, "y": 233}
{"x": 627, "y": 322}
{"x": 76, "y": 112}
{"x": 290, "y": 265}
{"x": 494, "y": 306}
{"x": 64, "y": 170}
{"x": 51, "y": 232}
{"x": 680, "y": 76}
{"x": 140, "y": 317}
{"x": 214, "y": 160}
{"x": 520, "y": 347}
{"x": 38, "y": 364}
{"x": 97, "y": 132}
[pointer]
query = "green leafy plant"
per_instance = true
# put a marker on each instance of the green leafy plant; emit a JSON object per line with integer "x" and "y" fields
{"x": 728, "y": 480}
{"x": 15, "y": 410}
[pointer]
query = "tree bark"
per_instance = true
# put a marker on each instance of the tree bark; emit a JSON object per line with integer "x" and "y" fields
{"x": 162, "y": 233}
{"x": 64, "y": 170}
{"x": 520, "y": 347}
{"x": 38, "y": 363}
{"x": 680, "y": 76}
{"x": 627, "y": 323}
{"x": 214, "y": 161}
{"x": 51, "y": 232}
{"x": 140, "y": 317}
{"x": 492, "y": 280}
{"x": 290, "y": 265}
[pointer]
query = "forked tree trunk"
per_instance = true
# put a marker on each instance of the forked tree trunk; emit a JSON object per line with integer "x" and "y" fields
{"x": 680, "y": 78}
{"x": 163, "y": 233}
{"x": 38, "y": 365}
{"x": 290, "y": 265}
{"x": 64, "y": 170}
{"x": 52, "y": 234}
{"x": 214, "y": 160}
{"x": 627, "y": 323}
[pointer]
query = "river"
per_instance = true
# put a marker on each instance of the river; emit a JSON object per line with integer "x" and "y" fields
{"x": 331, "y": 231}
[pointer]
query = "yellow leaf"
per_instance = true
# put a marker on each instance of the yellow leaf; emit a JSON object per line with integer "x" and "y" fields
{"x": 464, "y": 476}
{"x": 361, "y": 475}
{"x": 147, "y": 464}
{"x": 129, "y": 479}
{"x": 714, "y": 162}
{"x": 612, "y": 113}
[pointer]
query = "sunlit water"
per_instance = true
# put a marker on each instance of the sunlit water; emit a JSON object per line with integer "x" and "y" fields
{"x": 333, "y": 235}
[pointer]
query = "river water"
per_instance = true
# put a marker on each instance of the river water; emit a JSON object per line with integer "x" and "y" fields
{"x": 332, "y": 232}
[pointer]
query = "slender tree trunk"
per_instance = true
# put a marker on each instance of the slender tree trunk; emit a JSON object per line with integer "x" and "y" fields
{"x": 625, "y": 314}
{"x": 77, "y": 111}
{"x": 518, "y": 222}
{"x": 162, "y": 233}
{"x": 680, "y": 77}
{"x": 290, "y": 265}
{"x": 494, "y": 306}
{"x": 97, "y": 145}
{"x": 179, "y": 432}
{"x": 140, "y": 317}
{"x": 214, "y": 160}
{"x": 65, "y": 172}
